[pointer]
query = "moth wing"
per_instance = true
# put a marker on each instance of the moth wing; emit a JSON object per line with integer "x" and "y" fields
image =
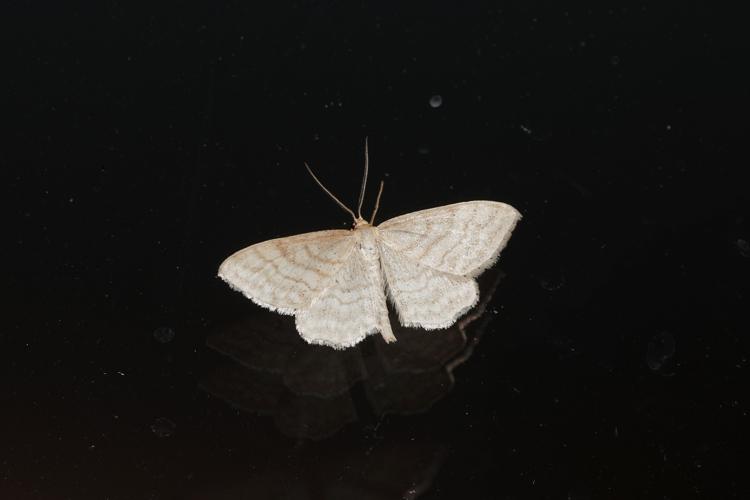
{"x": 423, "y": 296}
{"x": 352, "y": 307}
{"x": 462, "y": 239}
{"x": 287, "y": 274}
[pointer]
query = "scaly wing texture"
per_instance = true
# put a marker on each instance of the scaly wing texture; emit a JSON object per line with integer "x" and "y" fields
{"x": 462, "y": 239}
{"x": 352, "y": 307}
{"x": 423, "y": 296}
{"x": 287, "y": 274}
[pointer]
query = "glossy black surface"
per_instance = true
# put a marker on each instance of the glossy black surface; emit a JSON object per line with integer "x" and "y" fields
{"x": 147, "y": 144}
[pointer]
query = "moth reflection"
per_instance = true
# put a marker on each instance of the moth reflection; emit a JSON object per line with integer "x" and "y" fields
{"x": 313, "y": 391}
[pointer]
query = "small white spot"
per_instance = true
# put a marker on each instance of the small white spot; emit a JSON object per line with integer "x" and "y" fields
{"x": 436, "y": 101}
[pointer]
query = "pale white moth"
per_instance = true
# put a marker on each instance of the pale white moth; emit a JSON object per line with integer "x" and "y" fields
{"x": 335, "y": 282}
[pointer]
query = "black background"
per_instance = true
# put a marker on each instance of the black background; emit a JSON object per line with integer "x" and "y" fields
{"x": 145, "y": 144}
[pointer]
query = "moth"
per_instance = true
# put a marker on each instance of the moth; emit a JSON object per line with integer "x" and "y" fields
{"x": 335, "y": 282}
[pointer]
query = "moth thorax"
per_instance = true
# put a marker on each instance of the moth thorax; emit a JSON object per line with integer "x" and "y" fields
{"x": 368, "y": 244}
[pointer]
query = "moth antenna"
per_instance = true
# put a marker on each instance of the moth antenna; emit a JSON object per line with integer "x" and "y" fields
{"x": 364, "y": 183}
{"x": 330, "y": 193}
{"x": 377, "y": 203}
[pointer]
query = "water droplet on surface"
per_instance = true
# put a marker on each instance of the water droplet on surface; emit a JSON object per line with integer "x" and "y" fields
{"x": 579, "y": 495}
{"x": 436, "y": 101}
{"x": 163, "y": 427}
{"x": 552, "y": 282}
{"x": 744, "y": 247}
{"x": 164, "y": 334}
{"x": 660, "y": 353}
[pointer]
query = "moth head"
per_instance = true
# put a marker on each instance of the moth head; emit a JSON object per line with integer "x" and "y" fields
{"x": 359, "y": 222}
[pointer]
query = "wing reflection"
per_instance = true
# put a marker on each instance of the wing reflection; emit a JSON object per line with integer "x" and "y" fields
{"x": 313, "y": 391}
